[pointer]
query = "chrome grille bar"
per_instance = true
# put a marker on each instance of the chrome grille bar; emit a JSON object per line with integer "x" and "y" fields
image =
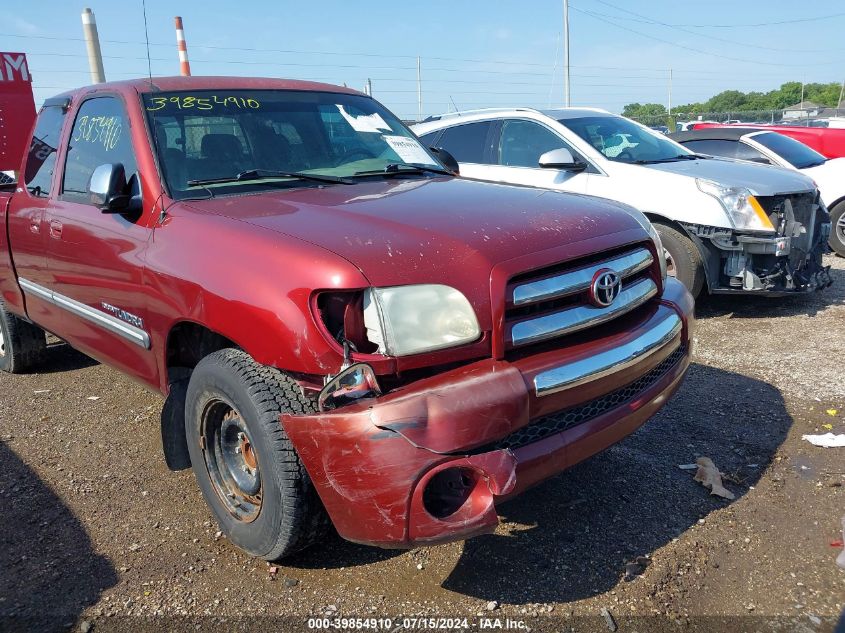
{"x": 664, "y": 335}
{"x": 579, "y": 280}
{"x": 582, "y": 316}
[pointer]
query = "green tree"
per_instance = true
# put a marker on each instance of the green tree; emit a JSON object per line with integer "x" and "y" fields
{"x": 640, "y": 110}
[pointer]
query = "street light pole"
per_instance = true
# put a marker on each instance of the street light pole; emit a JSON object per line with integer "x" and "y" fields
{"x": 566, "y": 52}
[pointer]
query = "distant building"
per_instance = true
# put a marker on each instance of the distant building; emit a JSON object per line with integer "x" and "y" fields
{"x": 803, "y": 110}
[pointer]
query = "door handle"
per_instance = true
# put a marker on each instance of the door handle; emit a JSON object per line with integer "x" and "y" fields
{"x": 35, "y": 226}
{"x": 56, "y": 229}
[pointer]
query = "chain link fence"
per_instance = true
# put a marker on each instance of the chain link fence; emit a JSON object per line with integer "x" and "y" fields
{"x": 789, "y": 117}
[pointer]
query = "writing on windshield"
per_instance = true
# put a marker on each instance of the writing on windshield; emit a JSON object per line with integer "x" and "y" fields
{"x": 208, "y": 139}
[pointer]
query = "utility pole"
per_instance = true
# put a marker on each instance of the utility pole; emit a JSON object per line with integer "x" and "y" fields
{"x": 670, "y": 92}
{"x": 368, "y": 88}
{"x": 92, "y": 43}
{"x": 419, "y": 90}
{"x": 566, "y": 52}
{"x": 841, "y": 96}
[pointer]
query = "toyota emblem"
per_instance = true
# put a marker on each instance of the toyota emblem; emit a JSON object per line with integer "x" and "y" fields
{"x": 605, "y": 287}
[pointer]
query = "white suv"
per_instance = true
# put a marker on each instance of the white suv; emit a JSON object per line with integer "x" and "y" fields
{"x": 738, "y": 227}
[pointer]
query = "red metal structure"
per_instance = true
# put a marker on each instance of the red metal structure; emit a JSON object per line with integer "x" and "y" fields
{"x": 182, "y": 46}
{"x": 17, "y": 109}
{"x": 829, "y": 142}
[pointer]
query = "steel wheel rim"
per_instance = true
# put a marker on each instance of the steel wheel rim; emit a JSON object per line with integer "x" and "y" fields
{"x": 2, "y": 342}
{"x": 671, "y": 270}
{"x": 231, "y": 461}
{"x": 840, "y": 228}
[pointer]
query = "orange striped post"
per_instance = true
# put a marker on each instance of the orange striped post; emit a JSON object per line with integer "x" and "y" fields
{"x": 184, "y": 65}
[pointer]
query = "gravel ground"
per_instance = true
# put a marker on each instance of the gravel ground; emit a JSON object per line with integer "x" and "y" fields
{"x": 94, "y": 528}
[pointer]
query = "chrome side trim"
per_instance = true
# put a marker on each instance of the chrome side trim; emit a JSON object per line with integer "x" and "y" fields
{"x": 105, "y": 321}
{"x": 582, "y": 316}
{"x": 664, "y": 335}
{"x": 578, "y": 280}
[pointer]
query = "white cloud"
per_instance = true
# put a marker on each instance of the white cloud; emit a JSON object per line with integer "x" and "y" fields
{"x": 25, "y": 28}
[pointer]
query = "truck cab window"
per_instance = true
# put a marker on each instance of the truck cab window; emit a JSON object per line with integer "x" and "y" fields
{"x": 466, "y": 142}
{"x": 100, "y": 135}
{"x": 523, "y": 142}
{"x": 41, "y": 160}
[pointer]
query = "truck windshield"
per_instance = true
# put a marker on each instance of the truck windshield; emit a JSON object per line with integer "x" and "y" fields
{"x": 794, "y": 152}
{"x": 226, "y": 141}
{"x": 621, "y": 140}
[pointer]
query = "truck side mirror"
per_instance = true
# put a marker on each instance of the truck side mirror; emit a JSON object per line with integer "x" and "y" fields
{"x": 108, "y": 190}
{"x": 561, "y": 159}
{"x": 447, "y": 159}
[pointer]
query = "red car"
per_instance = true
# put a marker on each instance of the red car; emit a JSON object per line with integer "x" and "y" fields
{"x": 829, "y": 142}
{"x": 344, "y": 331}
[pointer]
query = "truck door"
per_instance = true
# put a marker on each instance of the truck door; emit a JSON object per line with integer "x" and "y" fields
{"x": 95, "y": 259}
{"x": 27, "y": 234}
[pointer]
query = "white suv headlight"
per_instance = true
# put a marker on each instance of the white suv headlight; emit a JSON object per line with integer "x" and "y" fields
{"x": 406, "y": 320}
{"x": 741, "y": 206}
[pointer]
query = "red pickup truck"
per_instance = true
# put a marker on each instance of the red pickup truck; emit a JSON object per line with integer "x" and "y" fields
{"x": 345, "y": 331}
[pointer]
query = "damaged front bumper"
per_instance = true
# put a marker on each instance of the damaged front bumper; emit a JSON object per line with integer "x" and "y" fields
{"x": 427, "y": 463}
{"x": 786, "y": 262}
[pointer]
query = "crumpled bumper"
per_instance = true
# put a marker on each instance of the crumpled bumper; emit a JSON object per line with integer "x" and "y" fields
{"x": 426, "y": 463}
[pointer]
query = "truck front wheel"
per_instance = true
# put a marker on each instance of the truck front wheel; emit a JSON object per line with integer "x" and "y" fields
{"x": 245, "y": 465}
{"x": 683, "y": 260}
{"x": 22, "y": 344}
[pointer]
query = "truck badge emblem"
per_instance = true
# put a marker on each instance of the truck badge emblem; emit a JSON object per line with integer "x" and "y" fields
{"x": 605, "y": 287}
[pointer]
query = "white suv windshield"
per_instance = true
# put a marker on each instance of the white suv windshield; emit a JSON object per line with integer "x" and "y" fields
{"x": 621, "y": 140}
{"x": 227, "y": 140}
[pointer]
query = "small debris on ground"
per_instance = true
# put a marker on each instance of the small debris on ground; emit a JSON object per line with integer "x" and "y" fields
{"x": 711, "y": 478}
{"x": 635, "y": 567}
{"x": 492, "y": 605}
{"x": 93, "y": 398}
{"x": 608, "y": 618}
{"x": 828, "y": 440}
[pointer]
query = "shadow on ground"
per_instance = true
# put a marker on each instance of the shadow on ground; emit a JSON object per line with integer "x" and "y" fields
{"x": 50, "y": 572}
{"x": 61, "y": 357}
{"x": 745, "y": 306}
{"x": 576, "y": 531}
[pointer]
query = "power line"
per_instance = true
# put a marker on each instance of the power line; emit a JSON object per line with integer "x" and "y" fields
{"x": 735, "y": 25}
{"x": 695, "y": 50}
{"x": 648, "y": 20}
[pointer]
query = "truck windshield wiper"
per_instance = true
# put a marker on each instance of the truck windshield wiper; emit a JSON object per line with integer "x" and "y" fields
{"x": 670, "y": 159}
{"x": 398, "y": 168}
{"x": 258, "y": 174}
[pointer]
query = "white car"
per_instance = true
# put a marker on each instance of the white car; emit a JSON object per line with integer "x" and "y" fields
{"x": 772, "y": 148}
{"x": 734, "y": 226}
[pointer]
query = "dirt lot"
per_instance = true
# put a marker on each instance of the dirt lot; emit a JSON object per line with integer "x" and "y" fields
{"x": 93, "y": 527}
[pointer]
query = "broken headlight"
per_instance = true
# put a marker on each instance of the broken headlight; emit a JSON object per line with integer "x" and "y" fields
{"x": 405, "y": 320}
{"x": 741, "y": 206}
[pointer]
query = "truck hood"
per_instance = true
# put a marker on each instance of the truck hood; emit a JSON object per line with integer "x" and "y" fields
{"x": 429, "y": 230}
{"x": 762, "y": 180}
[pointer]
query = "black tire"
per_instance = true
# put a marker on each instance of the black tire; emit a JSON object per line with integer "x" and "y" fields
{"x": 684, "y": 260}
{"x": 22, "y": 344}
{"x": 837, "y": 228}
{"x": 285, "y": 514}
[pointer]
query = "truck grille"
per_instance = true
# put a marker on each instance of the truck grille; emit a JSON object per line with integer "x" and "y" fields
{"x": 556, "y": 302}
{"x": 549, "y": 425}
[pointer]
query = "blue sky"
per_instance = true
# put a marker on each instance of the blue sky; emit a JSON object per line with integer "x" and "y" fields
{"x": 475, "y": 54}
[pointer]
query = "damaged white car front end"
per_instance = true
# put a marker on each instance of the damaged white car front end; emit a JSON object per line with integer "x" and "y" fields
{"x": 775, "y": 246}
